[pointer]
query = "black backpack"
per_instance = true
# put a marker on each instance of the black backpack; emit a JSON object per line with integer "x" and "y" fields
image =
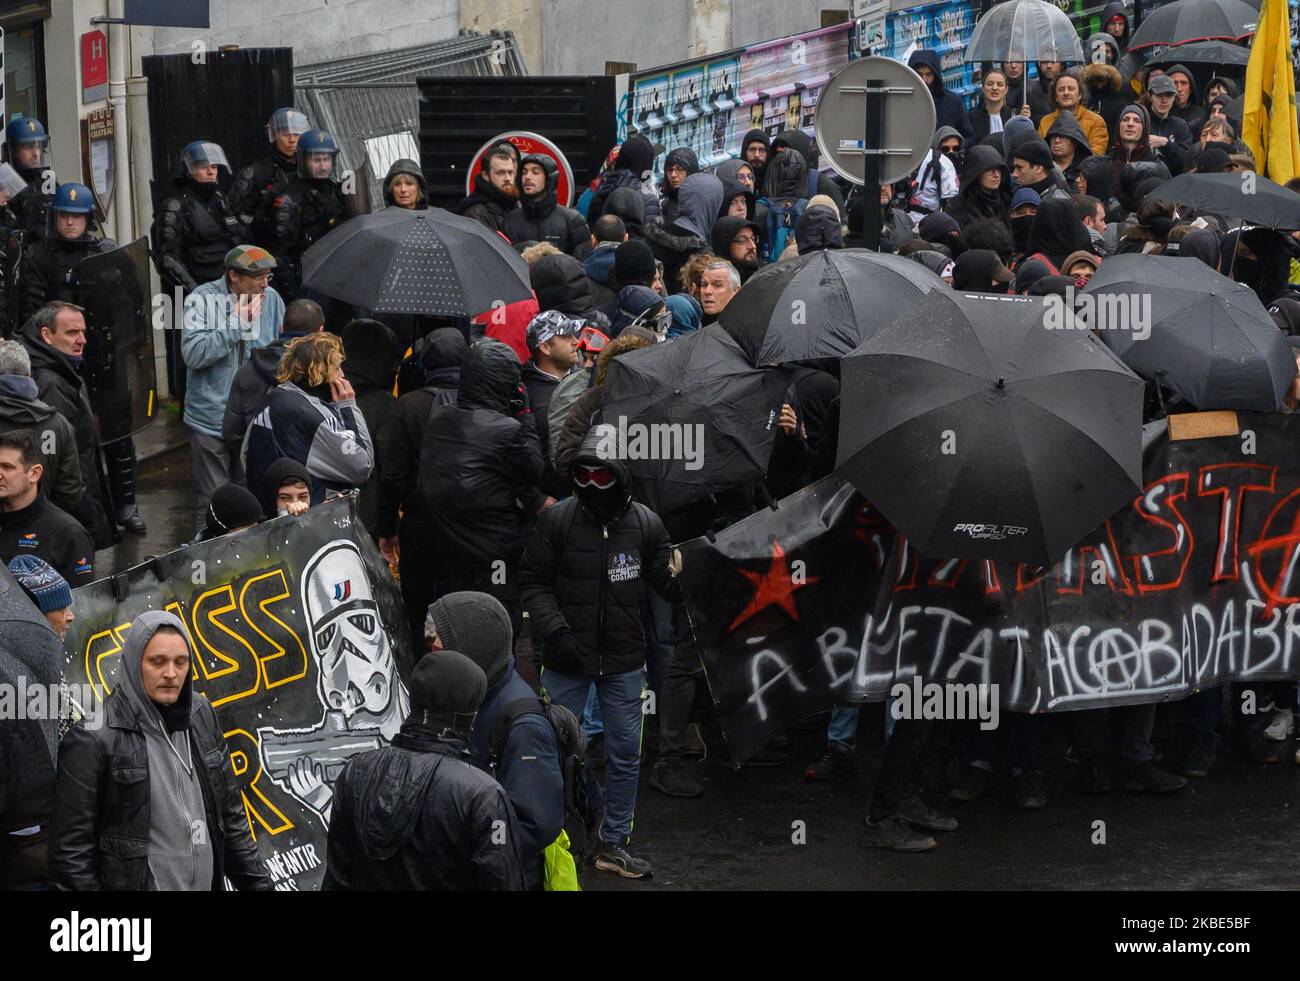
{"x": 580, "y": 819}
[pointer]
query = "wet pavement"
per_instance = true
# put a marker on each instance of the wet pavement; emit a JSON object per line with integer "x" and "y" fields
{"x": 1235, "y": 830}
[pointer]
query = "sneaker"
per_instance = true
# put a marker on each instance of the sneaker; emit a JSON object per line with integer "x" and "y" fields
{"x": 919, "y": 814}
{"x": 973, "y": 784}
{"x": 1257, "y": 749}
{"x": 1029, "y": 790}
{"x": 894, "y": 834}
{"x": 672, "y": 778}
{"x": 1198, "y": 763}
{"x": 1150, "y": 779}
{"x": 834, "y": 763}
{"x": 1095, "y": 778}
{"x": 1282, "y": 726}
{"x": 621, "y": 859}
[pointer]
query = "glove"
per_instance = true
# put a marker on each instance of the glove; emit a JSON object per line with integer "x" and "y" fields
{"x": 562, "y": 653}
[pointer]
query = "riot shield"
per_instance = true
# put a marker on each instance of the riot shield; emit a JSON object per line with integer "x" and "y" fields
{"x": 119, "y": 365}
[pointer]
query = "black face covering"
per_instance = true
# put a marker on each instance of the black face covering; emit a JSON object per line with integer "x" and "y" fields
{"x": 1020, "y": 231}
{"x": 603, "y": 505}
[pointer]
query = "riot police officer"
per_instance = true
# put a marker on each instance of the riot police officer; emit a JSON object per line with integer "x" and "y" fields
{"x": 27, "y": 150}
{"x": 51, "y": 272}
{"x": 316, "y": 207}
{"x": 265, "y": 193}
{"x": 195, "y": 227}
{"x": 12, "y": 235}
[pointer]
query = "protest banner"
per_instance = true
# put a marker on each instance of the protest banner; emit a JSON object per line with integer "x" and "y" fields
{"x": 301, "y": 645}
{"x": 1190, "y": 586}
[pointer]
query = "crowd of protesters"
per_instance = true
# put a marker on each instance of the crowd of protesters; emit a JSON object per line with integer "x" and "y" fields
{"x": 473, "y": 447}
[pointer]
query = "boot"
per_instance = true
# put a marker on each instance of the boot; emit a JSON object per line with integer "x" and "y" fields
{"x": 120, "y": 459}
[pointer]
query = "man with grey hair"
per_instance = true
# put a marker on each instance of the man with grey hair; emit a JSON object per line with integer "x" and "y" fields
{"x": 21, "y": 411}
{"x": 718, "y": 284}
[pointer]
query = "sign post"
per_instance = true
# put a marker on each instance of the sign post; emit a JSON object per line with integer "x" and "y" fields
{"x": 880, "y": 139}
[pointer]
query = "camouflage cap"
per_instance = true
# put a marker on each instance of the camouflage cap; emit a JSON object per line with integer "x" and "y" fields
{"x": 249, "y": 258}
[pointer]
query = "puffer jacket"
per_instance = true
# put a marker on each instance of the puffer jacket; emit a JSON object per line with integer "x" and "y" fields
{"x": 560, "y": 283}
{"x": 1103, "y": 93}
{"x": 22, "y": 412}
{"x": 101, "y": 830}
{"x": 581, "y": 576}
{"x": 477, "y": 459}
{"x": 1094, "y": 127}
{"x": 488, "y": 205}
{"x": 542, "y": 219}
{"x": 418, "y": 816}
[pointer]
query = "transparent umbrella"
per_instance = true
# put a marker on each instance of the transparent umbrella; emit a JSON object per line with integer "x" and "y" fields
{"x": 1024, "y": 30}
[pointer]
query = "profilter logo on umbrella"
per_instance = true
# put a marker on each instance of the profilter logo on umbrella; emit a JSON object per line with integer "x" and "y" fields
{"x": 987, "y": 532}
{"x": 1129, "y": 312}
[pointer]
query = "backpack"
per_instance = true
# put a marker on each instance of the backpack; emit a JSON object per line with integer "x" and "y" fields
{"x": 567, "y": 855}
{"x": 783, "y": 216}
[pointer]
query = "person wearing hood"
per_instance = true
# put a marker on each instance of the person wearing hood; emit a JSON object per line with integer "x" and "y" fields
{"x": 818, "y": 182}
{"x": 287, "y": 489}
{"x": 634, "y": 265}
{"x": 1024, "y": 92}
{"x": 949, "y": 110}
{"x": 372, "y": 356}
{"x": 1258, "y": 258}
{"x": 1056, "y": 233}
{"x": 405, "y": 187}
{"x": 641, "y": 306}
{"x": 686, "y": 312}
{"x": 985, "y": 190}
{"x": 737, "y": 200}
{"x": 440, "y": 356}
{"x": 560, "y": 283}
{"x": 178, "y": 823}
{"x": 630, "y": 206}
{"x": 1219, "y": 87}
{"x": 253, "y": 381}
{"x": 231, "y": 508}
{"x": 991, "y": 114}
{"x": 1017, "y": 130}
{"x": 818, "y": 230}
{"x": 673, "y": 241}
{"x": 936, "y": 179}
{"x": 21, "y": 411}
{"x": 1167, "y": 134}
{"x": 783, "y": 198}
{"x": 1024, "y": 206}
{"x": 1187, "y": 104}
{"x": 980, "y": 271}
{"x": 495, "y": 193}
{"x": 1114, "y": 21}
{"x": 607, "y": 234}
{"x": 755, "y": 149}
{"x": 1103, "y": 85}
{"x": 739, "y": 171}
{"x": 632, "y": 170}
{"x": 1132, "y": 143}
{"x": 511, "y": 738}
{"x": 553, "y": 346}
{"x": 1096, "y": 177}
{"x": 1067, "y": 97}
{"x": 312, "y": 417}
{"x": 55, "y": 338}
{"x": 194, "y": 227}
{"x": 477, "y": 459}
{"x": 1032, "y": 164}
{"x": 1195, "y": 243}
{"x": 942, "y": 231}
{"x": 540, "y": 217}
{"x": 679, "y": 164}
{"x": 417, "y": 815}
{"x": 583, "y": 580}
{"x": 736, "y": 240}
{"x": 1069, "y": 147}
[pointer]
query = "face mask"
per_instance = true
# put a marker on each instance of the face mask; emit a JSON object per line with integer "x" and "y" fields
{"x": 603, "y": 505}
{"x": 1020, "y": 231}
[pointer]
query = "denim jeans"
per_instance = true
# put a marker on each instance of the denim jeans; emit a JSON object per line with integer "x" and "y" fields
{"x": 591, "y": 723}
{"x": 842, "y": 733}
{"x": 619, "y": 696}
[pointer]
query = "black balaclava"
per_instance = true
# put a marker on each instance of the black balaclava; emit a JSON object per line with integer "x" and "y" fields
{"x": 1020, "y": 231}
{"x": 446, "y": 689}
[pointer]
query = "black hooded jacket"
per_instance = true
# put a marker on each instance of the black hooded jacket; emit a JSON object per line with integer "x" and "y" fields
{"x": 586, "y": 579}
{"x": 406, "y": 168}
{"x": 477, "y": 459}
{"x": 440, "y": 356}
{"x": 561, "y": 283}
{"x": 277, "y": 475}
{"x": 541, "y": 219}
{"x": 631, "y": 205}
{"x": 1057, "y": 231}
{"x": 488, "y": 204}
{"x": 635, "y": 160}
{"x": 818, "y": 182}
{"x": 819, "y": 229}
{"x": 1067, "y": 125}
{"x": 948, "y": 107}
{"x": 973, "y": 202}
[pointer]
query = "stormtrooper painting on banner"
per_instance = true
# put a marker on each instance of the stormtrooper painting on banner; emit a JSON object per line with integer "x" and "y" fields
{"x": 299, "y": 641}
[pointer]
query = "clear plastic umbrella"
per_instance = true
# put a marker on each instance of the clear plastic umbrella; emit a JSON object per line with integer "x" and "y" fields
{"x": 1024, "y": 30}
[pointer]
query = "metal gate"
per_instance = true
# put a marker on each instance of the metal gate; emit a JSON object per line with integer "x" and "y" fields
{"x": 371, "y": 103}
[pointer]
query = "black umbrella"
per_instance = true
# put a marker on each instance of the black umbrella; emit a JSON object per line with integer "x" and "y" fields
{"x": 822, "y": 305}
{"x": 1201, "y": 335}
{"x": 427, "y": 262}
{"x": 1221, "y": 54}
{"x": 1196, "y": 20}
{"x": 979, "y": 431}
{"x": 1249, "y": 198}
{"x": 693, "y": 415}
{"x": 1024, "y": 30}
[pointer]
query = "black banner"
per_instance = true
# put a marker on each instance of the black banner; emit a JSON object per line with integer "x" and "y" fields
{"x": 1192, "y": 585}
{"x": 301, "y": 645}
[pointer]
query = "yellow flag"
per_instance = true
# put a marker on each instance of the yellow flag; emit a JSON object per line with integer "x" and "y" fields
{"x": 1268, "y": 124}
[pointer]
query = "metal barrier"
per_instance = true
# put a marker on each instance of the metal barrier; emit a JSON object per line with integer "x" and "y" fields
{"x": 370, "y": 103}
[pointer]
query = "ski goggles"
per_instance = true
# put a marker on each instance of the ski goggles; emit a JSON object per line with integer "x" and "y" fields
{"x": 592, "y": 340}
{"x": 601, "y": 478}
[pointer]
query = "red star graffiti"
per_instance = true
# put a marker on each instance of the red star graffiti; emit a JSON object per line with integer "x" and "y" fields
{"x": 775, "y": 587}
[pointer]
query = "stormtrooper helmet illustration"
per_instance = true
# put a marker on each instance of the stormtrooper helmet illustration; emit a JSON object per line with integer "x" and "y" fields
{"x": 358, "y": 674}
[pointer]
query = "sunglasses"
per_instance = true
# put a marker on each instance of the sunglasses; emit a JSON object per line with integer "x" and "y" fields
{"x": 599, "y": 477}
